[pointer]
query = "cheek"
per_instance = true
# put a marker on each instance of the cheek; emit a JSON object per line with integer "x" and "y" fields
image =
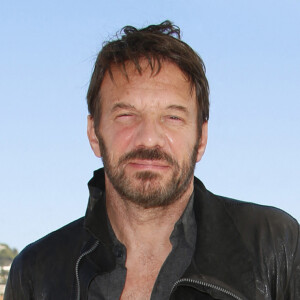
{"x": 118, "y": 139}
{"x": 184, "y": 137}
{"x": 181, "y": 143}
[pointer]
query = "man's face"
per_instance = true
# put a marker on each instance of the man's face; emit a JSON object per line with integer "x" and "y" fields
{"x": 147, "y": 134}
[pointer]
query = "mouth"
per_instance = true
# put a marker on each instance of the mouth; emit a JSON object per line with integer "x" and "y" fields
{"x": 144, "y": 164}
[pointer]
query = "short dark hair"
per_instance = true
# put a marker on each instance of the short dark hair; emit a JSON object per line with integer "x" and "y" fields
{"x": 154, "y": 43}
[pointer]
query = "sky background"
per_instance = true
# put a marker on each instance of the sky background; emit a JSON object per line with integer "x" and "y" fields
{"x": 251, "y": 50}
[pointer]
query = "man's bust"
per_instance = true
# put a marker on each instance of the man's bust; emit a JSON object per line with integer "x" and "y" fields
{"x": 152, "y": 230}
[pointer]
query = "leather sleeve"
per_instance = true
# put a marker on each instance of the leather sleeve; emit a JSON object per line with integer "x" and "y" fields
{"x": 293, "y": 292}
{"x": 18, "y": 285}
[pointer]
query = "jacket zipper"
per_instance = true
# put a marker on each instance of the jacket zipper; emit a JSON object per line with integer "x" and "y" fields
{"x": 205, "y": 284}
{"x": 95, "y": 245}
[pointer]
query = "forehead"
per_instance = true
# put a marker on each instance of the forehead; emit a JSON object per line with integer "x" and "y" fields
{"x": 170, "y": 80}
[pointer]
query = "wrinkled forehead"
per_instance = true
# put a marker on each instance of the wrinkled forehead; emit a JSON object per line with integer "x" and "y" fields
{"x": 132, "y": 72}
{"x": 129, "y": 76}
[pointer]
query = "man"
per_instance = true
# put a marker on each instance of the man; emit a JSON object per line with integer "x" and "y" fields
{"x": 152, "y": 230}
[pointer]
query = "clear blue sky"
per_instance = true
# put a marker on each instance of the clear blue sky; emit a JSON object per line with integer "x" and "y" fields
{"x": 252, "y": 54}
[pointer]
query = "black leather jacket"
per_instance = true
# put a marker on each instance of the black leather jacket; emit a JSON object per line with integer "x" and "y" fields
{"x": 243, "y": 251}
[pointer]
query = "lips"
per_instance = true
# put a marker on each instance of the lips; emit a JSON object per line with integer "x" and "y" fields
{"x": 148, "y": 164}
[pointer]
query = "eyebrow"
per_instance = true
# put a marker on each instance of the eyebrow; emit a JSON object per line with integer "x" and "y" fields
{"x": 178, "y": 107}
{"x": 122, "y": 106}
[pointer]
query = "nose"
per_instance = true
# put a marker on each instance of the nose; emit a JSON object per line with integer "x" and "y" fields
{"x": 149, "y": 134}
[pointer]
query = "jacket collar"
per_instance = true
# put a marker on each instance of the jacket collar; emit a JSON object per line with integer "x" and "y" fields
{"x": 96, "y": 219}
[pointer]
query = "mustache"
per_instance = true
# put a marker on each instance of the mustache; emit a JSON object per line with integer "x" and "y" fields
{"x": 149, "y": 154}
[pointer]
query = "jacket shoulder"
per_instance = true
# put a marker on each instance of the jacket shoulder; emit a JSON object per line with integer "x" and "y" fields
{"x": 249, "y": 216}
{"x": 42, "y": 260}
{"x": 54, "y": 243}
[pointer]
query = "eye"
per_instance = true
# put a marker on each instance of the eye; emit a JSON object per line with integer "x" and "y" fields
{"x": 125, "y": 118}
{"x": 174, "y": 118}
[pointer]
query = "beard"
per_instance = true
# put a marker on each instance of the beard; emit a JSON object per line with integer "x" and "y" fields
{"x": 150, "y": 191}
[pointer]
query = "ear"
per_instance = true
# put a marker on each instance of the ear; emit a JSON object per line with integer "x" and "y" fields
{"x": 92, "y": 136}
{"x": 203, "y": 141}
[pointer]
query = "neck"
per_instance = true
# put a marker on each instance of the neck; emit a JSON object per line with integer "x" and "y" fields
{"x": 137, "y": 227}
